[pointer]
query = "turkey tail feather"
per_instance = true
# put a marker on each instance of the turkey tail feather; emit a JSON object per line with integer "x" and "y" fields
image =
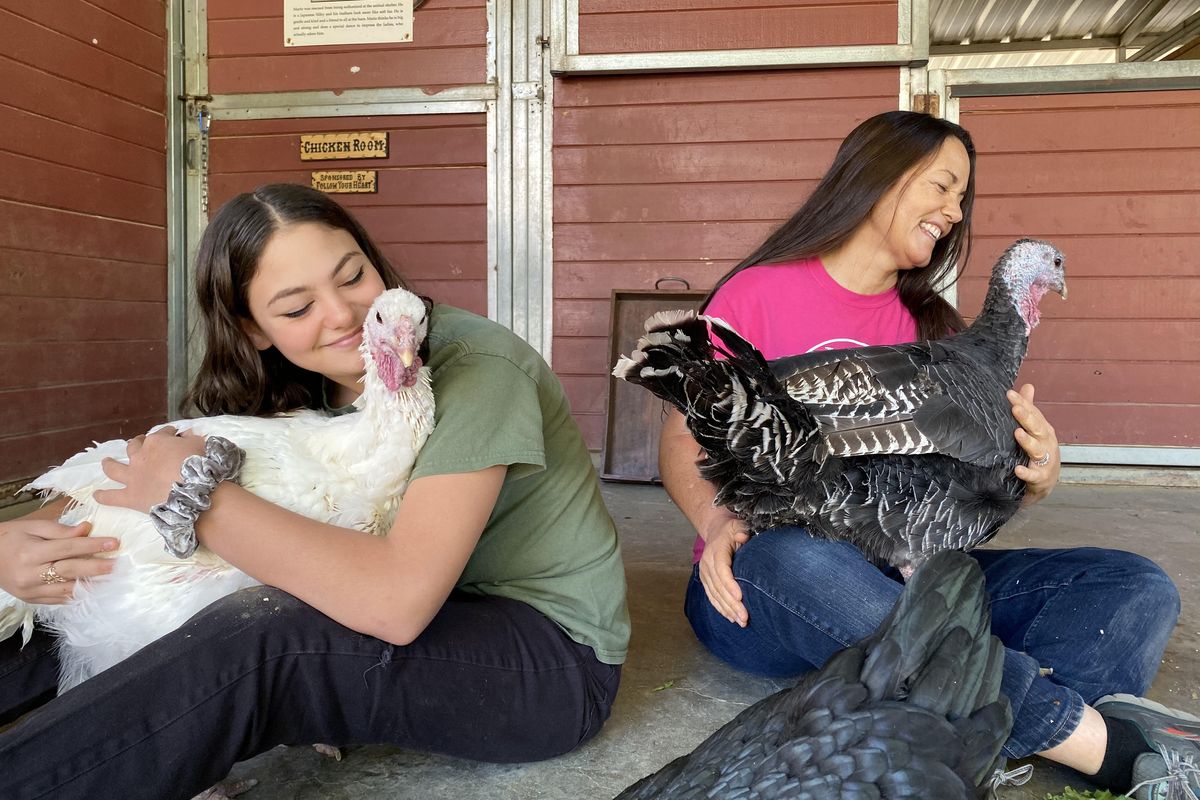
{"x": 761, "y": 445}
{"x": 673, "y": 339}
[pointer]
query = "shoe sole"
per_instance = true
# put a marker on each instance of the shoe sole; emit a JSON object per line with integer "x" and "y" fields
{"x": 1142, "y": 702}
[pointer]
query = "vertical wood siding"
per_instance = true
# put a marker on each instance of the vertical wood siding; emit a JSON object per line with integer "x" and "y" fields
{"x": 1114, "y": 181}
{"x": 82, "y": 227}
{"x": 680, "y": 175}
{"x": 246, "y": 52}
{"x": 641, "y": 26}
{"x": 430, "y": 213}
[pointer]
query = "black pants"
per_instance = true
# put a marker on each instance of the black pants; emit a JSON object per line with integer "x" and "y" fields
{"x": 490, "y": 679}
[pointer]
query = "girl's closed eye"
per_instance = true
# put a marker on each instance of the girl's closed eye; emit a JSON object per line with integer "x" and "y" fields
{"x": 300, "y": 312}
{"x": 358, "y": 276}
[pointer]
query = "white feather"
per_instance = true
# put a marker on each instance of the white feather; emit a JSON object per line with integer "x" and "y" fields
{"x": 350, "y": 471}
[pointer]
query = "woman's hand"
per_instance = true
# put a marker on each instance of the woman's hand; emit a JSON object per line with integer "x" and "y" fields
{"x": 154, "y": 463}
{"x": 1039, "y": 442}
{"x": 716, "y": 568}
{"x": 29, "y": 548}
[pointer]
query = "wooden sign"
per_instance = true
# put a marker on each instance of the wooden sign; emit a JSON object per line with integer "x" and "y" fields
{"x": 346, "y": 181}
{"x": 329, "y": 146}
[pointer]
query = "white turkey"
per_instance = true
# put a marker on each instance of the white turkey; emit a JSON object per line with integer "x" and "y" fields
{"x": 912, "y": 711}
{"x": 349, "y": 470}
{"x": 902, "y": 450}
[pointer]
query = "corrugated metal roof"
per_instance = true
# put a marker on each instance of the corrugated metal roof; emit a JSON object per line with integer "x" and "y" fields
{"x": 1052, "y": 23}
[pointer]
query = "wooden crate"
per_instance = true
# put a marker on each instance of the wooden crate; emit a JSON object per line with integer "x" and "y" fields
{"x": 635, "y": 416}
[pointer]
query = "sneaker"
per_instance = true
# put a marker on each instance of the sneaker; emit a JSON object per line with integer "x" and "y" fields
{"x": 1172, "y": 770}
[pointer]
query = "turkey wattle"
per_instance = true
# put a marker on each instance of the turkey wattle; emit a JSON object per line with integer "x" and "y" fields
{"x": 903, "y": 450}
{"x": 349, "y": 470}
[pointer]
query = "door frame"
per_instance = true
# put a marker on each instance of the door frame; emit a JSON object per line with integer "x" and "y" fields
{"x": 911, "y": 47}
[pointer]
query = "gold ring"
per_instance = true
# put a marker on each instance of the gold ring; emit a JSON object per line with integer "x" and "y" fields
{"x": 1043, "y": 461}
{"x": 50, "y": 575}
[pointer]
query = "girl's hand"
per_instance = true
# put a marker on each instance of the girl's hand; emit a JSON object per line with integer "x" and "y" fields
{"x": 716, "y": 569}
{"x": 1039, "y": 442}
{"x": 30, "y": 547}
{"x": 154, "y": 463}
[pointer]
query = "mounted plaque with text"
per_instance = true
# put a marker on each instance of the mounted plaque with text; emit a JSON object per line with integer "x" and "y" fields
{"x": 346, "y": 181}
{"x": 328, "y": 146}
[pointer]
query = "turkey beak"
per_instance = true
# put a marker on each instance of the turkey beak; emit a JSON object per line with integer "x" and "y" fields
{"x": 1061, "y": 285}
{"x": 1060, "y": 277}
{"x": 406, "y": 342}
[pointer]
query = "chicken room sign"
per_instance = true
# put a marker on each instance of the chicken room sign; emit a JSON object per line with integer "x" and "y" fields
{"x": 330, "y": 146}
{"x": 336, "y": 146}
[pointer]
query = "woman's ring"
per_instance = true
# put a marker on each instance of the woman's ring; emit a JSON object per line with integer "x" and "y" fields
{"x": 50, "y": 575}
{"x": 1043, "y": 461}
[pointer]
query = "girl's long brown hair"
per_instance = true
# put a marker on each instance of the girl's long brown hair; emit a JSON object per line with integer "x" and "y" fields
{"x": 870, "y": 161}
{"x": 234, "y": 376}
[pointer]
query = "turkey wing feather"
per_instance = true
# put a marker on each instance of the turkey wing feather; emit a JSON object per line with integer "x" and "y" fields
{"x": 911, "y": 399}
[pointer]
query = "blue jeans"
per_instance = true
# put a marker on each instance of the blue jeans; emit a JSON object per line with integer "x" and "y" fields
{"x": 1100, "y": 619}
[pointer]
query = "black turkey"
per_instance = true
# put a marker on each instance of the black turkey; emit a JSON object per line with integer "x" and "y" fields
{"x": 912, "y": 711}
{"x": 903, "y": 450}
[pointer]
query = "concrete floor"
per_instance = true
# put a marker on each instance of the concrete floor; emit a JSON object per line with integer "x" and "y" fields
{"x": 673, "y": 694}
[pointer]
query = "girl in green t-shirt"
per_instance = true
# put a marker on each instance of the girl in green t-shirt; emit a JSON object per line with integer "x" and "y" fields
{"x": 448, "y": 635}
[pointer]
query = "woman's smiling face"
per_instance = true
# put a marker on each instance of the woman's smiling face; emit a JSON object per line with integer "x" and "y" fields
{"x": 923, "y": 205}
{"x": 308, "y": 297}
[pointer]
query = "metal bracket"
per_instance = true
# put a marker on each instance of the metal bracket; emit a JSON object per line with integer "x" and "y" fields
{"x": 527, "y": 90}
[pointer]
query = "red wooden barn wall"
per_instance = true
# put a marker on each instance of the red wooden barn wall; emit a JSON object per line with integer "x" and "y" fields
{"x": 82, "y": 227}
{"x": 680, "y": 175}
{"x": 641, "y": 26}
{"x": 1112, "y": 180}
{"x": 430, "y": 213}
{"x": 246, "y": 52}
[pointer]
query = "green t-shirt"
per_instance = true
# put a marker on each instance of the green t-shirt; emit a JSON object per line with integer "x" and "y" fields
{"x": 550, "y": 541}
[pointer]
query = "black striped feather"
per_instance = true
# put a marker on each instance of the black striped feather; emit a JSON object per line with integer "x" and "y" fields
{"x": 912, "y": 711}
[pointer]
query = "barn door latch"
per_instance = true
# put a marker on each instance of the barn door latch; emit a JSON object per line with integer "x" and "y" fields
{"x": 196, "y": 144}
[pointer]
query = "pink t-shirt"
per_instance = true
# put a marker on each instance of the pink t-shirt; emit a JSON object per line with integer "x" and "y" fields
{"x": 793, "y": 308}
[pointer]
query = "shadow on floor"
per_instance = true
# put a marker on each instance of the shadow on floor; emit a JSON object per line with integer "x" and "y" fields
{"x": 673, "y": 694}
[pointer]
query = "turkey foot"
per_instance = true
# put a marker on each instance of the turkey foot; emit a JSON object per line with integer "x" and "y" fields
{"x": 329, "y": 750}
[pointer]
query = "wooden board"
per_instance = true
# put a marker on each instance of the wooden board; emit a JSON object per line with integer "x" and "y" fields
{"x": 635, "y": 415}
{"x": 638, "y": 26}
{"x": 428, "y": 213}
{"x": 246, "y": 51}
{"x": 83, "y": 215}
{"x": 680, "y": 175}
{"x": 1108, "y": 178}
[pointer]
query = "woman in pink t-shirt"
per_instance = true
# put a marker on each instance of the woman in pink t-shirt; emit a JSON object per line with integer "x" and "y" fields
{"x": 857, "y": 265}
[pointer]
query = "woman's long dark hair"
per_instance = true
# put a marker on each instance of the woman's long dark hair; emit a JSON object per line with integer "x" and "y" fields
{"x": 870, "y": 161}
{"x": 235, "y": 377}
